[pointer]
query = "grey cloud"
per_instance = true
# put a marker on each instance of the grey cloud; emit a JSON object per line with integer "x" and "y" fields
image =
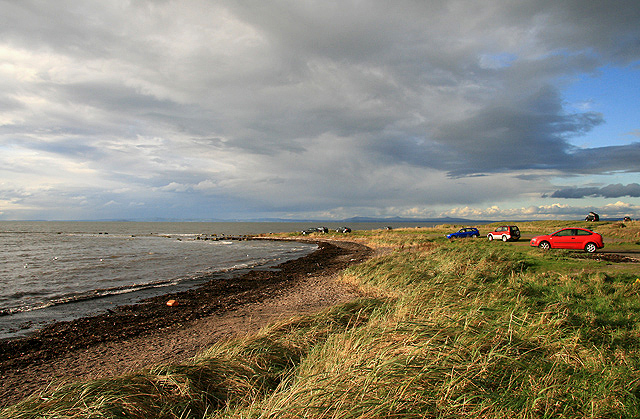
{"x": 610, "y": 191}
{"x": 605, "y": 159}
{"x": 533, "y": 132}
{"x": 272, "y": 103}
{"x": 610, "y": 30}
{"x": 68, "y": 148}
{"x": 8, "y": 104}
{"x": 530, "y": 134}
{"x": 73, "y": 27}
{"x": 114, "y": 97}
{"x": 576, "y": 192}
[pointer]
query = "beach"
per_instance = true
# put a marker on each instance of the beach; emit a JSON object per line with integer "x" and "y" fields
{"x": 152, "y": 332}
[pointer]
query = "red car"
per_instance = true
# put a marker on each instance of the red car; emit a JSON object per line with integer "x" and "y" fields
{"x": 570, "y": 238}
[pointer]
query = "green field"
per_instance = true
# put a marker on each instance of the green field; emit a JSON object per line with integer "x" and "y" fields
{"x": 463, "y": 328}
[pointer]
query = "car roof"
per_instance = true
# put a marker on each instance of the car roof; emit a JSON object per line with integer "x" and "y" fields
{"x": 574, "y": 228}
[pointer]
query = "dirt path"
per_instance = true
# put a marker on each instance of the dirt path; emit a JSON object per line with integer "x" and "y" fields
{"x": 150, "y": 333}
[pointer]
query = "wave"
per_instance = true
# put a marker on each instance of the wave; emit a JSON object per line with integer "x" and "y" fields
{"x": 76, "y": 297}
{"x": 85, "y": 296}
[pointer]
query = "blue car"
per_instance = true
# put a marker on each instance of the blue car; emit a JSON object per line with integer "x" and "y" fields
{"x": 464, "y": 232}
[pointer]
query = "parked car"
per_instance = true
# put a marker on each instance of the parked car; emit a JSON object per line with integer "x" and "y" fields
{"x": 592, "y": 216}
{"x": 570, "y": 238}
{"x": 464, "y": 232}
{"x": 626, "y": 219}
{"x": 315, "y": 230}
{"x": 343, "y": 230}
{"x": 505, "y": 233}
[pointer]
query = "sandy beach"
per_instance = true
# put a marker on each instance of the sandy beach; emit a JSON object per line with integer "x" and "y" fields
{"x": 151, "y": 332}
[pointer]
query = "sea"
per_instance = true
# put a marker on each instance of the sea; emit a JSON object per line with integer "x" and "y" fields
{"x": 58, "y": 271}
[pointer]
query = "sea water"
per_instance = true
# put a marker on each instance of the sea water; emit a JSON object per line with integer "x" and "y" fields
{"x": 56, "y": 271}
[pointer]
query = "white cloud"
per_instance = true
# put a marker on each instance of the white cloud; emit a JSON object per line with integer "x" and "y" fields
{"x": 552, "y": 211}
{"x": 175, "y": 187}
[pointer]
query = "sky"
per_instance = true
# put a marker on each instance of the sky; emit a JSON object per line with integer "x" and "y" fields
{"x": 298, "y": 109}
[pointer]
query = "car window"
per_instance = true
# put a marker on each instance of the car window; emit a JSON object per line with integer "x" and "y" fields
{"x": 583, "y": 233}
{"x": 563, "y": 233}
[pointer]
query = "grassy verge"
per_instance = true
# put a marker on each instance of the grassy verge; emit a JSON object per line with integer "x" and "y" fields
{"x": 453, "y": 329}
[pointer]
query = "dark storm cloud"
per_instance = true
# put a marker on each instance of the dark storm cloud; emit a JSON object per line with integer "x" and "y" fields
{"x": 526, "y": 134}
{"x": 516, "y": 138}
{"x": 525, "y": 119}
{"x": 605, "y": 159}
{"x": 609, "y": 29}
{"x": 306, "y": 105}
{"x": 610, "y": 191}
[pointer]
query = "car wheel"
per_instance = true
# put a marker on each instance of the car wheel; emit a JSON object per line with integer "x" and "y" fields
{"x": 590, "y": 248}
{"x": 490, "y": 237}
{"x": 504, "y": 238}
{"x": 475, "y": 236}
{"x": 544, "y": 246}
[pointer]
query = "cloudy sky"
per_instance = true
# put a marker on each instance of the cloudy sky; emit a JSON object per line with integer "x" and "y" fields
{"x": 203, "y": 109}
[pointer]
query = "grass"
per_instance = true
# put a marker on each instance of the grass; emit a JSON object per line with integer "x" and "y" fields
{"x": 453, "y": 329}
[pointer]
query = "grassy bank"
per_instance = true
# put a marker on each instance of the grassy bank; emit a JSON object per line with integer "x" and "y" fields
{"x": 466, "y": 328}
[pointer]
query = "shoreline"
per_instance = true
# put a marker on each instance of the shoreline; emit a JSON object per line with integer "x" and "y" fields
{"x": 150, "y": 332}
{"x": 78, "y": 291}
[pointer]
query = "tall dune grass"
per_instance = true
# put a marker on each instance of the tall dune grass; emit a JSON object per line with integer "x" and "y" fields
{"x": 468, "y": 336}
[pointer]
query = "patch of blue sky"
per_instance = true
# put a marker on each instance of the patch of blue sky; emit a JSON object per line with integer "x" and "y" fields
{"x": 614, "y": 92}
